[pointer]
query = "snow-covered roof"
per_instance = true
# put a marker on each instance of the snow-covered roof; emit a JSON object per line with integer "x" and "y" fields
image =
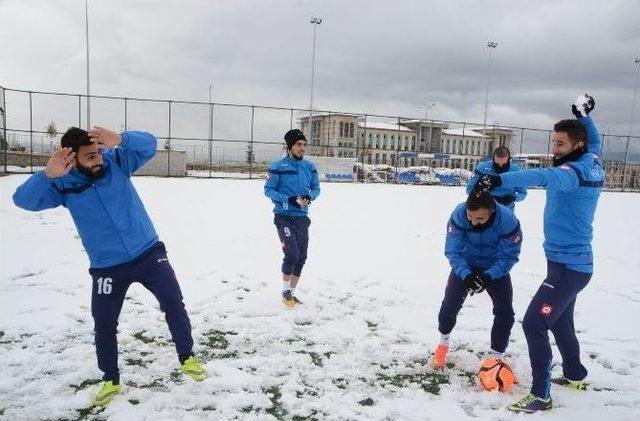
{"x": 385, "y": 126}
{"x": 492, "y": 128}
{"x": 466, "y": 132}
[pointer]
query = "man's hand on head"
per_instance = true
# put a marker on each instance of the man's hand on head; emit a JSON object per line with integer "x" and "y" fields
{"x": 104, "y": 138}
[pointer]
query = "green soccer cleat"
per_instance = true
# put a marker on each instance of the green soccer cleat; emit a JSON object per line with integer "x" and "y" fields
{"x": 530, "y": 404}
{"x": 106, "y": 394}
{"x": 192, "y": 367}
{"x": 570, "y": 384}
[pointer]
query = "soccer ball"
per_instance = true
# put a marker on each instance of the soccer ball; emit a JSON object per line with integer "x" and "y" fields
{"x": 495, "y": 374}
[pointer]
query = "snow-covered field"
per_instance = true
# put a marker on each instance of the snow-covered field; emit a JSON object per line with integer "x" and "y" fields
{"x": 356, "y": 349}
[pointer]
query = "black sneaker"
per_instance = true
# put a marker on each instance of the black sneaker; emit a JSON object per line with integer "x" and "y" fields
{"x": 296, "y": 300}
{"x": 288, "y": 299}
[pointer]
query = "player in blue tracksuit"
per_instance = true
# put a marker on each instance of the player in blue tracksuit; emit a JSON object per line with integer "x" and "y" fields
{"x": 292, "y": 186}
{"x": 500, "y": 164}
{"x": 91, "y": 177}
{"x": 573, "y": 187}
{"x": 483, "y": 243}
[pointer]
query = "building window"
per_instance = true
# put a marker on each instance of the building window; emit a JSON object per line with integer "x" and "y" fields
{"x": 351, "y": 130}
{"x": 315, "y": 132}
{"x": 341, "y": 129}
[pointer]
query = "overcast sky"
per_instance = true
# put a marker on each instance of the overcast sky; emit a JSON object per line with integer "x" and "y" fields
{"x": 387, "y": 57}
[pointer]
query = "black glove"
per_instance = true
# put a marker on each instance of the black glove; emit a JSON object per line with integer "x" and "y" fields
{"x": 487, "y": 182}
{"x": 507, "y": 199}
{"x": 583, "y": 106}
{"x": 306, "y": 197}
{"x": 486, "y": 278}
{"x": 473, "y": 283}
{"x": 476, "y": 282}
{"x": 293, "y": 201}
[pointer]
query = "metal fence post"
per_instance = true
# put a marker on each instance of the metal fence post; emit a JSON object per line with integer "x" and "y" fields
{"x": 125, "y": 115}
{"x": 521, "y": 141}
{"x": 364, "y": 150}
{"x": 210, "y": 138}
{"x": 5, "y": 141}
{"x": 328, "y": 130}
{"x": 79, "y": 111}
{"x": 168, "y": 146}
{"x": 31, "y": 131}
{"x": 397, "y": 143}
{"x": 548, "y": 143}
{"x": 250, "y": 151}
{"x": 624, "y": 167}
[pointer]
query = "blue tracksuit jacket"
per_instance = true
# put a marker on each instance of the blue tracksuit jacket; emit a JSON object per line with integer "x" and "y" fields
{"x": 486, "y": 167}
{"x": 291, "y": 177}
{"x": 494, "y": 250}
{"x": 111, "y": 220}
{"x": 573, "y": 190}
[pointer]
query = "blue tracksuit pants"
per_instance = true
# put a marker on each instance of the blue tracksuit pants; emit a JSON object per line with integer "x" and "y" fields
{"x": 552, "y": 309}
{"x": 153, "y": 270}
{"x": 293, "y": 232}
{"x": 501, "y": 293}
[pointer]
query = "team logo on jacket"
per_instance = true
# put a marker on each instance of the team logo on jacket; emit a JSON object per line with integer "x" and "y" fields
{"x": 546, "y": 309}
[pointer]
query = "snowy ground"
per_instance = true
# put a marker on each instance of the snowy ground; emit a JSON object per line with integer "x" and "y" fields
{"x": 355, "y": 350}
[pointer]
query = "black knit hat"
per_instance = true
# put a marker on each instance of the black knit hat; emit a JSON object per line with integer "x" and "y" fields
{"x": 74, "y": 138}
{"x": 292, "y": 136}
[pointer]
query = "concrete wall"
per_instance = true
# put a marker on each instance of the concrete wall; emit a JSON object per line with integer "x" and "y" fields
{"x": 159, "y": 165}
{"x": 23, "y": 159}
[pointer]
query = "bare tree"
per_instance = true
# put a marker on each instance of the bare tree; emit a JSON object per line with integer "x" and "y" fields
{"x": 51, "y": 129}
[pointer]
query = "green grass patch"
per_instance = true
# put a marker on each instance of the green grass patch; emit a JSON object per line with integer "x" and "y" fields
{"x": 429, "y": 382}
{"x": 135, "y": 361}
{"x": 142, "y": 338}
{"x": 276, "y": 409}
{"x": 367, "y": 402}
{"x": 316, "y": 359}
{"x": 373, "y": 326}
{"x": 216, "y": 339}
{"x": 340, "y": 383}
{"x": 155, "y": 384}
{"x": 84, "y": 384}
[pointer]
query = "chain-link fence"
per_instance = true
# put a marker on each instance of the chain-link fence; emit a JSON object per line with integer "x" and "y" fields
{"x": 214, "y": 140}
